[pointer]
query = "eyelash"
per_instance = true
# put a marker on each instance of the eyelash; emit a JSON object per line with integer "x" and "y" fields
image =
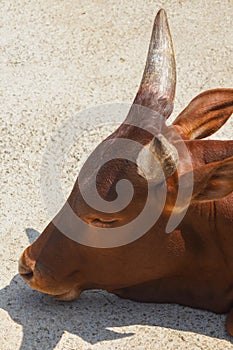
{"x": 99, "y": 222}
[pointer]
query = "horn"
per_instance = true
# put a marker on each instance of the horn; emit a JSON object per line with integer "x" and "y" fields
{"x": 157, "y": 88}
{"x": 157, "y": 160}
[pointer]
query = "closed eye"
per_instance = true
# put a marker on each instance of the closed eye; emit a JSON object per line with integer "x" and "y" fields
{"x": 103, "y": 223}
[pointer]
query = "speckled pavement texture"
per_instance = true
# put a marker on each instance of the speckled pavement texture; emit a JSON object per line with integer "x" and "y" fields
{"x": 60, "y": 57}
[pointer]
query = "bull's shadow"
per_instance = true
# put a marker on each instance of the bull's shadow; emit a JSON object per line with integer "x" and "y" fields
{"x": 45, "y": 320}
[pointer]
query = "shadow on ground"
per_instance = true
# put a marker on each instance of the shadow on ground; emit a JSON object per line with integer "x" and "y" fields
{"x": 44, "y": 320}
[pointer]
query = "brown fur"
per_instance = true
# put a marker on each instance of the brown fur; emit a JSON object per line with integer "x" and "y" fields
{"x": 193, "y": 265}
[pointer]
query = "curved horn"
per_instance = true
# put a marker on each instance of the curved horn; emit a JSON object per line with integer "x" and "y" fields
{"x": 157, "y": 88}
{"x": 159, "y": 151}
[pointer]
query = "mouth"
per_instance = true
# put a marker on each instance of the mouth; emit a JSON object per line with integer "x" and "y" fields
{"x": 35, "y": 280}
{"x": 69, "y": 295}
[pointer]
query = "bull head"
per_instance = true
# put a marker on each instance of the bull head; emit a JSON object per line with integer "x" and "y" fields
{"x": 141, "y": 270}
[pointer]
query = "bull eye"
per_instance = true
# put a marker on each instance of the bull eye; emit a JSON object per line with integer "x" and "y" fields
{"x": 103, "y": 223}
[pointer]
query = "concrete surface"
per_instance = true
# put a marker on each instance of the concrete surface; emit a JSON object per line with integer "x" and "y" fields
{"x": 59, "y": 57}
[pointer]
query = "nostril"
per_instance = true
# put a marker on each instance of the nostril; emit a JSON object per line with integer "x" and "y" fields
{"x": 26, "y": 266}
{"x": 25, "y": 271}
{"x": 27, "y": 276}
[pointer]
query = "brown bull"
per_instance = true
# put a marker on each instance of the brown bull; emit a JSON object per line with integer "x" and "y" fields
{"x": 193, "y": 264}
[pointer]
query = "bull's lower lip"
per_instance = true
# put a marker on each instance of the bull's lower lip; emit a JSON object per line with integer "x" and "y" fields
{"x": 68, "y": 296}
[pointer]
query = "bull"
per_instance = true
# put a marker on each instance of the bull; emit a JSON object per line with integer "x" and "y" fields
{"x": 190, "y": 265}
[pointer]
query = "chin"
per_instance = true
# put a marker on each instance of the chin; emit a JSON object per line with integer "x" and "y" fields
{"x": 70, "y": 295}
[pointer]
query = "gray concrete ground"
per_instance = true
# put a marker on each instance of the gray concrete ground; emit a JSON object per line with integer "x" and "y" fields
{"x": 60, "y": 57}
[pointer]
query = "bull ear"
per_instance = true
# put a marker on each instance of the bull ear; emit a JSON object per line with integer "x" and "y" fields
{"x": 157, "y": 160}
{"x": 157, "y": 88}
{"x": 205, "y": 114}
{"x": 212, "y": 181}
